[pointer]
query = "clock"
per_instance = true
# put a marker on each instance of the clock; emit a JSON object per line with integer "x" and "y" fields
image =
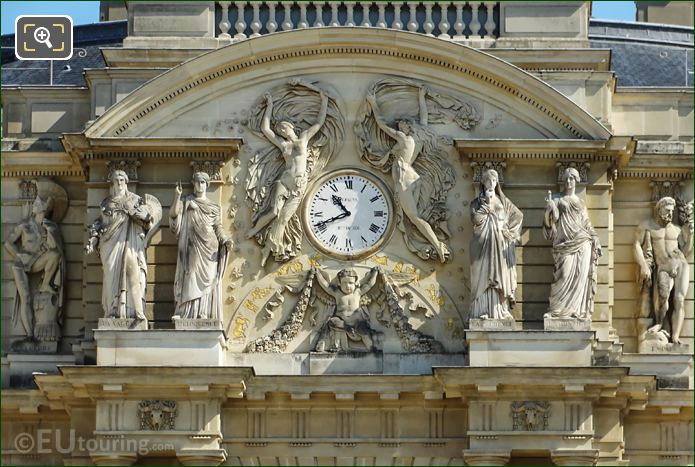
{"x": 348, "y": 214}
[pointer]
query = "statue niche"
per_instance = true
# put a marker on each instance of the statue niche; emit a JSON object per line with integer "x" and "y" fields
{"x": 38, "y": 268}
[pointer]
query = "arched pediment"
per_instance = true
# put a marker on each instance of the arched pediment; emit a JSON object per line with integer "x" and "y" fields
{"x": 193, "y": 98}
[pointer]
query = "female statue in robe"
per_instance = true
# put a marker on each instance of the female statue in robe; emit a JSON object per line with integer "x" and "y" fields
{"x": 496, "y": 231}
{"x": 576, "y": 249}
{"x": 202, "y": 253}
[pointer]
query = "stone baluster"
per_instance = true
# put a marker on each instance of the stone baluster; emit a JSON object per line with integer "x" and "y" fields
{"x": 303, "y": 23}
{"x": 350, "y": 14}
{"x": 397, "y": 23}
{"x": 428, "y": 26}
{"x": 490, "y": 22}
{"x": 272, "y": 24}
{"x": 256, "y": 22}
{"x": 225, "y": 25}
{"x": 287, "y": 20}
{"x": 412, "y": 21}
{"x": 475, "y": 22}
{"x": 334, "y": 14}
{"x": 240, "y": 24}
{"x": 381, "y": 22}
{"x": 365, "y": 14}
{"x": 318, "y": 22}
{"x": 444, "y": 21}
{"x": 459, "y": 25}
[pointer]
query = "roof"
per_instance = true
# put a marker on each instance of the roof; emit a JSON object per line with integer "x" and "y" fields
{"x": 643, "y": 54}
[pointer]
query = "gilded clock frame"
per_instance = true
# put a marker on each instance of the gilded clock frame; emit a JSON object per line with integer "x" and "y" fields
{"x": 338, "y": 172}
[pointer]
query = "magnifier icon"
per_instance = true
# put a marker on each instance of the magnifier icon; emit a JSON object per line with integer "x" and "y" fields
{"x": 43, "y": 36}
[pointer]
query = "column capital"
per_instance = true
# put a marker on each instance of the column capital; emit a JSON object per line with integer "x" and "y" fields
{"x": 113, "y": 458}
{"x": 486, "y": 457}
{"x": 201, "y": 456}
{"x": 574, "y": 457}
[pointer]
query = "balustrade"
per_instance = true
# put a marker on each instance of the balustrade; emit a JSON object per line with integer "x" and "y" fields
{"x": 457, "y": 21}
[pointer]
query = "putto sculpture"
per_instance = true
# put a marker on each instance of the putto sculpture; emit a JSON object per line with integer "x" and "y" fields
{"x": 414, "y": 155}
{"x": 576, "y": 249}
{"x": 303, "y": 137}
{"x": 38, "y": 268}
{"x": 660, "y": 250}
{"x": 496, "y": 232}
{"x": 203, "y": 249}
{"x": 121, "y": 235}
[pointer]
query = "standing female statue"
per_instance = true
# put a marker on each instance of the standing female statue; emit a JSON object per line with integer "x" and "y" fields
{"x": 496, "y": 232}
{"x": 576, "y": 249}
{"x": 203, "y": 250}
{"x": 121, "y": 234}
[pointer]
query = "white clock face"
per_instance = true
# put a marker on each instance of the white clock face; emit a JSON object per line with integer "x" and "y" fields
{"x": 348, "y": 214}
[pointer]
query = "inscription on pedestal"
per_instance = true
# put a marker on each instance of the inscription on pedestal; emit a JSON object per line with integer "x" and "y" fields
{"x": 566, "y": 324}
{"x": 196, "y": 324}
{"x": 654, "y": 346}
{"x": 122, "y": 323}
{"x": 492, "y": 325}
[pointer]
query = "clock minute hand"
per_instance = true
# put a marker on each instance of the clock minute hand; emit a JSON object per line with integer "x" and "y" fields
{"x": 339, "y": 202}
{"x": 332, "y": 219}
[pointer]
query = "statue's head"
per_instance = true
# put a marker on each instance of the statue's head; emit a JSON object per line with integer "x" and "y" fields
{"x": 201, "y": 182}
{"x": 347, "y": 278}
{"x": 570, "y": 178}
{"x": 286, "y": 130}
{"x": 406, "y": 126}
{"x": 41, "y": 205}
{"x": 490, "y": 179}
{"x": 119, "y": 181}
{"x": 664, "y": 209}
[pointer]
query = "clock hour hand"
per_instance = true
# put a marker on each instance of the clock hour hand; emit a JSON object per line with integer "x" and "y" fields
{"x": 339, "y": 202}
{"x": 335, "y": 218}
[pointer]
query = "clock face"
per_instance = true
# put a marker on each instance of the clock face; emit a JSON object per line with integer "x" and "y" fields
{"x": 348, "y": 214}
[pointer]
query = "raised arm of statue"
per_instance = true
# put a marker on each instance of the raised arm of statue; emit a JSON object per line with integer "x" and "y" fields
{"x": 369, "y": 281}
{"x": 312, "y": 130}
{"x": 550, "y": 217}
{"x": 175, "y": 210}
{"x": 323, "y": 281}
{"x": 422, "y": 104}
{"x": 371, "y": 100}
{"x": 265, "y": 124}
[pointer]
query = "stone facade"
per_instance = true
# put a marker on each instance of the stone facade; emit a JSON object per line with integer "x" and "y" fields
{"x": 345, "y": 334}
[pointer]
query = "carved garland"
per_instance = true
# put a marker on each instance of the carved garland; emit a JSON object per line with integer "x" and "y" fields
{"x": 509, "y": 88}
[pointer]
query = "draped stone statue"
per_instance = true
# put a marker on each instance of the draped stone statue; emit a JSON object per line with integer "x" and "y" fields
{"x": 121, "y": 235}
{"x": 202, "y": 252}
{"x": 576, "y": 249}
{"x": 36, "y": 246}
{"x": 394, "y": 135}
{"x": 660, "y": 250}
{"x": 302, "y": 141}
{"x": 496, "y": 232}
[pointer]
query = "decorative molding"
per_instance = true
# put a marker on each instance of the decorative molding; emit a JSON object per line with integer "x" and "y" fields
{"x": 157, "y": 415}
{"x": 530, "y": 415}
{"x": 656, "y": 174}
{"x": 662, "y": 188}
{"x": 210, "y": 167}
{"x": 129, "y": 166}
{"x": 582, "y": 167}
{"x": 259, "y": 59}
{"x": 480, "y": 166}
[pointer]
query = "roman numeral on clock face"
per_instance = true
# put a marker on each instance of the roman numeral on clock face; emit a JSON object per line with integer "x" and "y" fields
{"x": 374, "y": 228}
{"x": 348, "y": 184}
{"x": 333, "y": 240}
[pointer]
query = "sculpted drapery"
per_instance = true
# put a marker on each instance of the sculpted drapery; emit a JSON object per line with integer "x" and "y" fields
{"x": 496, "y": 230}
{"x": 121, "y": 234}
{"x": 576, "y": 249}
{"x": 202, "y": 253}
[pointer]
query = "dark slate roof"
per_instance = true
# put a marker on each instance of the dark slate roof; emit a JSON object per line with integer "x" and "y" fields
{"x": 645, "y": 54}
{"x": 88, "y": 39}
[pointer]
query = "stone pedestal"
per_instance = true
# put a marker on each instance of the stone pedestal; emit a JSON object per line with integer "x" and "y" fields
{"x": 566, "y": 324}
{"x": 22, "y": 367}
{"x": 492, "y": 457}
{"x": 529, "y": 348}
{"x": 113, "y": 458}
{"x": 672, "y": 371}
{"x": 201, "y": 456}
{"x": 160, "y": 347}
{"x": 493, "y": 325}
{"x": 122, "y": 323}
